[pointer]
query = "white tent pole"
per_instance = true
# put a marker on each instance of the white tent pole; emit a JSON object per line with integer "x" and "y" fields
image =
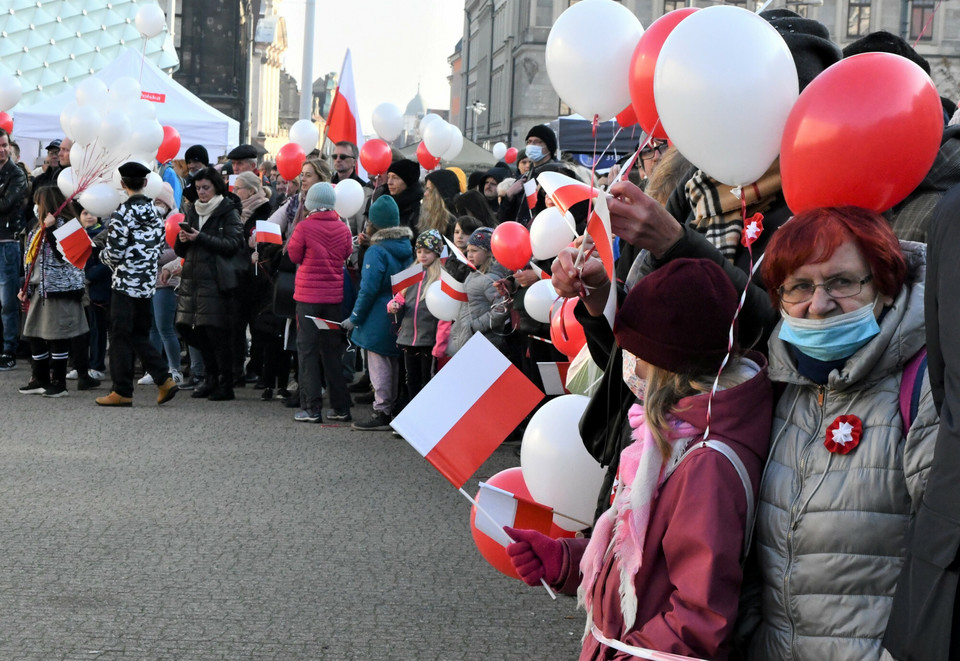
{"x": 306, "y": 82}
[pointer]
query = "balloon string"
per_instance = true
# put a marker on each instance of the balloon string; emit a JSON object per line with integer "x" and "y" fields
{"x": 143, "y": 56}
{"x": 927, "y": 24}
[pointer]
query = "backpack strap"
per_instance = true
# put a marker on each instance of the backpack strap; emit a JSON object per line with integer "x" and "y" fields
{"x": 741, "y": 469}
{"x": 911, "y": 383}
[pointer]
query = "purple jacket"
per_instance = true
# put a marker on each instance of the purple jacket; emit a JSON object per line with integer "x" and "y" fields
{"x": 320, "y": 244}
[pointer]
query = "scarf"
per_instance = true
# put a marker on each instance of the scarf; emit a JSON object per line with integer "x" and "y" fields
{"x": 204, "y": 209}
{"x": 622, "y": 529}
{"x": 718, "y": 215}
{"x": 252, "y": 203}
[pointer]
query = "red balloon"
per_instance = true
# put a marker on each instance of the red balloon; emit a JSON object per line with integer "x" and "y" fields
{"x": 290, "y": 160}
{"x": 566, "y": 333}
{"x": 510, "y": 480}
{"x": 642, "y": 65}
{"x": 171, "y": 227}
{"x": 511, "y": 155}
{"x": 6, "y": 122}
{"x": 510, "y": 245}
{"x": 426, "y": 159}
{"x": 170, "y": 146}
{"x": 627, "y": 117}
{"x": 865, "y": 132}
{"x": 375, "y": 156}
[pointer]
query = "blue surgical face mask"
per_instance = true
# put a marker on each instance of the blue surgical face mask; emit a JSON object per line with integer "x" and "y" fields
{"x": 832, "y": 338}
{"x": 534, "y": 152}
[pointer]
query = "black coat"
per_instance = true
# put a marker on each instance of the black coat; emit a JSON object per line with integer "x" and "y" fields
{"x": 201, "y": 302}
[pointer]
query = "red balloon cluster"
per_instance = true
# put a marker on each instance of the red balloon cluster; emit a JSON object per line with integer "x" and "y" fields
{"x": 510, "y": 245}
{"x": 566, "y": 333}
{"x": 6, "y": 123}
{"x": 172, "y": 227}
{"x": 375, "y": 156}
{"x": 170, "y": 146}
{"x": 426, "y": 159}
{"x": 290, "y": 160}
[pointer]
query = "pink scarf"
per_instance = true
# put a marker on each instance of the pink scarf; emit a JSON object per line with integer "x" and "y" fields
{"x": 622, "y": 529}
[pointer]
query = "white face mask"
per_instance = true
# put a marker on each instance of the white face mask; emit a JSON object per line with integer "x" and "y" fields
{"x": 637, "y": 385}
{"x": 36, "y": 211}
{"x": 534, "y": 152}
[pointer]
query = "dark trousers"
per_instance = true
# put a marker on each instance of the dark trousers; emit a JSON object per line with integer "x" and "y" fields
{"x": 98, "y": 317}
{"x": 130, "y": 322}
{"x": 215, "y": 347}
{"x": 321, "y": 358}
{"x": 418, "y": 362}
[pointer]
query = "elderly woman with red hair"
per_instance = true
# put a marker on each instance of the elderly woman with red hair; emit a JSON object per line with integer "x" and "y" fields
{"x": 847, "y": 469}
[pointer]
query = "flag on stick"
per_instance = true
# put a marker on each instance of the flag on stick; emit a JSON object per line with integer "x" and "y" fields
{"x": 452, "y": 288}
{"x": 407, "y": 277}
{"x": 530, "y": 190}
{"x": 74, "y": 243}
{"x": 508, "y": 509}
{"x": 463, "y": 414}
{"x": 325, "y": 324}
{"x": 565, "y": 191}
{"x": 268, "y": 232}
{"x": 459, "y": 253}
{"x": 343, "y": 122}
{"x": 554, "y": 377}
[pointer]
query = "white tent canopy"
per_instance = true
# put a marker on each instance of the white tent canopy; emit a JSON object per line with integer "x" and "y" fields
{"x": 197, "y": 122}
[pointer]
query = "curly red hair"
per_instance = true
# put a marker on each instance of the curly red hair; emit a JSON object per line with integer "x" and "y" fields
{"x": 812, "y": 237}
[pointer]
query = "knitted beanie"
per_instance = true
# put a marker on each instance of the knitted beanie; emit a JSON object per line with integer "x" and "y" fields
{"x": 321, "y": 196}
{"x": 546, "y": 134}
{"x": 882, "y": 41}
{"x": 446, "y": 183}
{"x": 481, "y": 238}
{"x": 678, "y": 317}
{"x": 384, "y": 212}
{"x": 808, "y": 41}
{"x": 431, "y": 240}
{"x": 406, "y": 170}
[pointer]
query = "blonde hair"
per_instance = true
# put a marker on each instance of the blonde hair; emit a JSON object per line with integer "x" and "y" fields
{"x": 434, "y": 214}
{"x": 665, "y": 389}
{"x": 670, "y": 172}
{"x": 431, "y": 276}
{"x": 320, "y": 167}
{"x": 249, "y": 180}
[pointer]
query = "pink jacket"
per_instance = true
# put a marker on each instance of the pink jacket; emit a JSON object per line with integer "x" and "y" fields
{"x": 320, "y": 244}
{"x": 689, "y": 583}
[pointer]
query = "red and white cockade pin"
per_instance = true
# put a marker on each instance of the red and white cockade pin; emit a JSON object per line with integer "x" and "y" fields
{"x": 843, "y": 434}
{"x": 752, "y": 229}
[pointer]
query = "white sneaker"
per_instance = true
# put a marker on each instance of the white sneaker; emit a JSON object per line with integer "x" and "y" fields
{"x": 95, "y": 374}
{"x": 177, "y": 377}
{"x": 147, "y": 380}
{"x": 72, "y": 375}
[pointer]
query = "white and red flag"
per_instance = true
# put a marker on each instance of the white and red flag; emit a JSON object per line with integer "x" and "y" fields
{"x": 530, "y": 191}
{"x": 452, "y": 288}
{"x": 509, "y": 509}
{"x": 407, "y": 277}
{"x": 554, "y": 377}
{"x": 565, "y": 191}
{"x": 343, "y": 122}
{"x": 268, "y": 232}
{"x": 74, "y": 243}
{"x": 325, "y": 324}
{"x": 458, "y": 253}
{"x": 463, "y": 414}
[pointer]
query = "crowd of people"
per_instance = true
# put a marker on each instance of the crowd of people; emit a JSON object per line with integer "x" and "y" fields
{"x": 776, "y": 488}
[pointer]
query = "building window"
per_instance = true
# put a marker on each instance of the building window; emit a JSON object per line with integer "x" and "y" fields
{"x": 858, "y": 18}
{"x": 670, "y": 5}
{"x": 736, "y": 3}
{"x": 921, "y": 13}
{"x": 801, "y": 9}
{"x": 544, "y": 16}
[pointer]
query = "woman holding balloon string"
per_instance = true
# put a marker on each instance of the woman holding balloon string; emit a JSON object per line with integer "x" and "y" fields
{"x": 662, "y": 569}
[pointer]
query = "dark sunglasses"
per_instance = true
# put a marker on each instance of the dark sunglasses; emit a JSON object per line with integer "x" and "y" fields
{"x": 340, "y": 157}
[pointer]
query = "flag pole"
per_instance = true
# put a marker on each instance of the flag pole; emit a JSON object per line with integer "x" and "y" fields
{"x": 553, "y": 595}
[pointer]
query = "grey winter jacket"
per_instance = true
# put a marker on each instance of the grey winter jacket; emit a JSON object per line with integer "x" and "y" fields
{"x": 831, "y": 527}
{"x": 478, "y": 315}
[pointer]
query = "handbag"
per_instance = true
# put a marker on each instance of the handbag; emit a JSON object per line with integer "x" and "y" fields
{"x": 283, "y": 303}
{"x": 230, "y": 270}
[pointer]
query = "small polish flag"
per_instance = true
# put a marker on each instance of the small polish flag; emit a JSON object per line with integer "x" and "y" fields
{"x": 406, "y": 277}
{"x": 74, "y": 243}
{"x": 445, "y": 254}
{"x": 231, "y": 182}
{"x": 598, "y": 227}
{"x": 268, "y": 232}
{"x": 565, "y": 191}
{"x": 554, "y": 377}
{"x": 324, "y": 324}
{"x": 509, "y": 509}
{"x": 463, "y": 413}
{"x": 530, "y": 190}
{"x": 458, "y": 253}
{"x": 452, "y": 288}
{"x": 543, "y": 275}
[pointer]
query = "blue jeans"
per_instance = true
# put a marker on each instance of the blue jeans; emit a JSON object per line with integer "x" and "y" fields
{"x": 9, "y": 285}
{"x": 163, "y": 336}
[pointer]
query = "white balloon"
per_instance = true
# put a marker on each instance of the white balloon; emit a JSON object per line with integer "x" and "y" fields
{"x": 499, "y": 151}
{"x": 100, "y": 199}
{"x": 306, "y": 134}
{"x": 437, "y": 137}
{"x": 703, "y": 113}
{"x": 588, "y": 57}
{"x": 90, "y": 90}
{"x": 80, "y": 159}
{"x": 10, "y": 91}
{"x": 154, "y": 185}
{"x": 551, "y": 232}
{"x": 66, "y": 182}
{"x": 65, "y": 116}
{"x": 456, "y": 143}
{"x": 145, "y": 137}
{"x": 150, "y": 20}
{"x": 440, "y": 305}
{"x": 388, "y": 121}
{"x": 538, "y": 300}
{"x": 427, "y": 120}
{"x": 558, "y": 470}
{"x": 114, "y": 130}
{"x": 140, "y": 109}
{"x": 85, "y": 124}
{"x": 349, "y": 197}
{"x": 124, "y": 90}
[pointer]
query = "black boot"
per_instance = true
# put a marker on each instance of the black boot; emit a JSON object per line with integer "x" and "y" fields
{"x": 224, "y": 390}
{"x": 206, "y": 388}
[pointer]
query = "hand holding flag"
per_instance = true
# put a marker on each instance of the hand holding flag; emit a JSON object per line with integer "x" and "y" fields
{"x": 74, "y": 243}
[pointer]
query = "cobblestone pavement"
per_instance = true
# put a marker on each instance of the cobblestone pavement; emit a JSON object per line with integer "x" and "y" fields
{"x": 206, "y": 531}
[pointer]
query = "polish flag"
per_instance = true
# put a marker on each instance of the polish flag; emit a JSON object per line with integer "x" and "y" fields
{"x": 464, "y": 412}
{"x": 74, "y": 243}
{"x": 458, "y": 253}
{"x": 268, "y": 232}
{"x": 324, "y": 324}
{"x": 231, "y": 182}
{"x": 406, "y": 277}
{"x": 598, "y": 227}
{"x": 530, "y": 190}
{"x": 452, "y": 288}
{"x": 343, "y": 122}
{"x": 554, "y": 377}
{"x": 509, "y": 509}
{"x": 565, "y": 191}
{"x": 543, "y": 275}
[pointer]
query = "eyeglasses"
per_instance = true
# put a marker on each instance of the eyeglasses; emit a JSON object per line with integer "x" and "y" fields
{"x": 340, "y": 157}
{"x": 840, "y": 286}
{"x": 647, "y": 152}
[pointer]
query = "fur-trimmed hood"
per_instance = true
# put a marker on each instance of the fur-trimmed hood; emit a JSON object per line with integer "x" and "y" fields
{"x": 387, "y": 233}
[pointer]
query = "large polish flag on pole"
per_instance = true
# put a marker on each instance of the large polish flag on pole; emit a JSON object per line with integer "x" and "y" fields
{"x": 463, "y": 414}
{"x": 343, "y": 122}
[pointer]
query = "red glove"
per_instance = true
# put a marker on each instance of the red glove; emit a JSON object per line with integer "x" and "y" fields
{"x": 535, "y": 556}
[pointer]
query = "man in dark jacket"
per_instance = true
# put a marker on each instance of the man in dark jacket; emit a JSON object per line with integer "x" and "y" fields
{"x": 13, "y": 192}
